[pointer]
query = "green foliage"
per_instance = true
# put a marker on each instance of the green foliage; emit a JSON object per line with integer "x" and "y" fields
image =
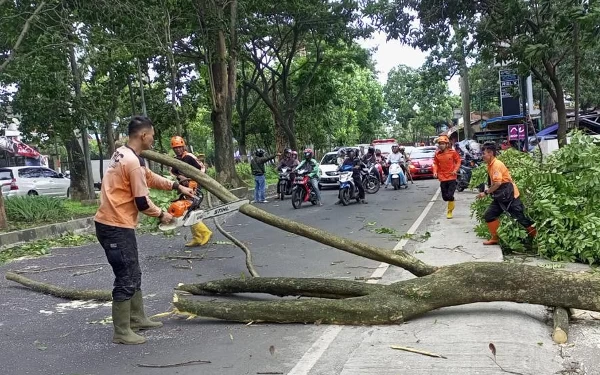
{"x": 42, "y": 247}
{"x": 561, "y": 195}
{"x": 419, "y": 101}
{"x": 35, "y": 209}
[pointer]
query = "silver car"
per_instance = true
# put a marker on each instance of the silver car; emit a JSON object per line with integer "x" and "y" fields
{"x": 33, "y": 180}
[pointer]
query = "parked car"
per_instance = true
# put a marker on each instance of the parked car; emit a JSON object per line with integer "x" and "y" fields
{"x": 33, "y": 180}
{"x": 421, "y": 163}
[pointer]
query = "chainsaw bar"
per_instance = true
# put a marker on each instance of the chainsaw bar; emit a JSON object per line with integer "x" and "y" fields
{"x": 192, "y": 216}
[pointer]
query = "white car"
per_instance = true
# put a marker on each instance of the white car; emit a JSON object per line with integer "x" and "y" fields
{"x": 33, "y": 180}
{"x": 329, "y": 175}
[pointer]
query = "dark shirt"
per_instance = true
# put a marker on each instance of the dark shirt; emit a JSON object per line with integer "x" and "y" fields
{"x": 189, "y": 159}
{"x": 257, "y": 164}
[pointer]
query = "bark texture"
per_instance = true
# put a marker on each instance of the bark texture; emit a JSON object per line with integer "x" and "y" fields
{"x": 350, "y": 302}
{"x": 68, "y": 293}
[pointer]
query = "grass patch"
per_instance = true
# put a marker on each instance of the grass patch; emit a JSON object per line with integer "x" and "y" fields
{"x": 33, "y": 211}
{"x": 42, "y": 247}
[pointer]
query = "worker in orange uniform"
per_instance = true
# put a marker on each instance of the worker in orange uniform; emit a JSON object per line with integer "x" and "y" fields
{"x": 200, "y": 232}
{"x": 446, "y": 164}
{"x": 506, "y": 196}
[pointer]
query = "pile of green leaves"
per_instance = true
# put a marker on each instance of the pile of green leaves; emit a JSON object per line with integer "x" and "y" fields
{"x": 42, "y": 247}
{"x": 561, "y": 194}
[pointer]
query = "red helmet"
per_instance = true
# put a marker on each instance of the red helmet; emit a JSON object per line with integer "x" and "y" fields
{"x": 177, "y": 141}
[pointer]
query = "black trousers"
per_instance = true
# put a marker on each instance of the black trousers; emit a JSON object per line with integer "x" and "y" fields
{"x": 516, "y": 209}
{"x": 359, "y": 185}
{"x": 120, "y": 247}
{"x": 448, "y": 189}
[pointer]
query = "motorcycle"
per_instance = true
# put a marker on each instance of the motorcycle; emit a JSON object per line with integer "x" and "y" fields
{"x": 465, "y": 172}
{"x": 285, "y": 184}
{"x": 348, "y": 189}
{"x": 303, "y": 190}
{"x": 395, "y": 170}
{"x": 371, "y": 181}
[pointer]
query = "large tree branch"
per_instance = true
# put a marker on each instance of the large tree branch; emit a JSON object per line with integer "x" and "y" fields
{"x": 24, "y": 31}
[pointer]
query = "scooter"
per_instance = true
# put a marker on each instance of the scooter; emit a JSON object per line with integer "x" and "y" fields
{"x": 284, "y": 185}
{"x": 303, "y": 190}
{"x": 348, "y": 189}
{"x": 395, "y": 170}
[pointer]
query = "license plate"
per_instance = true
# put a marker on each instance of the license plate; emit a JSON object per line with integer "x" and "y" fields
{"x": 423, "y": 170}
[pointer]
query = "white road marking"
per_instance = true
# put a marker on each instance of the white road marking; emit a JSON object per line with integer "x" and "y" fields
{"x": 315, "y": 352}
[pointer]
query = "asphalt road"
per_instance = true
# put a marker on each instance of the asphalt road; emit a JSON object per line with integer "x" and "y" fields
{"x": 45, "y": 335}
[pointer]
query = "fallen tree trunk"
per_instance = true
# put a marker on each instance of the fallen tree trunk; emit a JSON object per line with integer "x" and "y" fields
{"x": 349, "y": 302}
{"x": 398, "y": 258}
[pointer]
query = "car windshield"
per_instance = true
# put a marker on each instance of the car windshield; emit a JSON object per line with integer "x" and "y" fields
{"x": 5, "y": 174}
{"x": 422, "y": 155}
{"x": 329, "y": 159}
{"x": 386, "y": 148}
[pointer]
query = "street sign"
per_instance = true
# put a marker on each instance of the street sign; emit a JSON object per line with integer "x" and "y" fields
{"x": 516, "y": 132}
{"x": 508, "y": 81}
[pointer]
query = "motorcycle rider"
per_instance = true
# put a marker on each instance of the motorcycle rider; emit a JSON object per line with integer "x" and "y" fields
{"x": 313, "y": 168}
{"x": 396, "y": 157}
{"x": 287, "y": 162}
{"x": 357, "y": 166}
{"x": 200, "y": 232}
{"x": 446, "y": 164}
{"x": 370, "y": 158}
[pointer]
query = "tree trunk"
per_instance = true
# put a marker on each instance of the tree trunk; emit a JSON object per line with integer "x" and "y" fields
{"x": 290, "y": 129}
{"x": 100, "y": 154}
{"x": 3, "y": 222}
{"x": 464, "y": 83}
{"x": 141, "y": 87}
{"x": 80, "y": 123}
{"x": 562, "y": 116}
{"x": 112, "y": 115}
{"x": 222, "y": 82}
{"x": 549, "y": 110}
{"x": 79, "y": 180}
{"x": 131, "y": 96}
{"x": 351, "y": 302}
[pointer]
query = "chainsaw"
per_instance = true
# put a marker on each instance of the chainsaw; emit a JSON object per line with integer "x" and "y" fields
{"x": 187, "y": 212}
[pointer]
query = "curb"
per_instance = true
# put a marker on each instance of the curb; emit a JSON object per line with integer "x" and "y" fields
{"x": 87, "y": 224}
{"x": 50, "y": 230}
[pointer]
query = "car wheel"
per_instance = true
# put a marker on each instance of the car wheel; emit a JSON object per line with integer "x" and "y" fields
{"x": 32, "y": 192}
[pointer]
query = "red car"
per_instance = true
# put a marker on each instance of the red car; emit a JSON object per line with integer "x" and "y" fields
{"x": 421, "y": 163}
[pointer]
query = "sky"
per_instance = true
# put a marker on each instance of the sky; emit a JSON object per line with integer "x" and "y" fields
{"x": 393, "y": 53}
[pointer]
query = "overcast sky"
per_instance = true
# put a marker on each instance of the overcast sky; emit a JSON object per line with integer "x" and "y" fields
{"x": 393, "y": 53}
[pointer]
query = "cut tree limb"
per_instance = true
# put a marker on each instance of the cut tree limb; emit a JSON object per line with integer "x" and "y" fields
{"x": 398, "y": 258}
{"x": 452, "y": 285}
{"x": 560, "y": 318}
{"x": 68, "y": 293}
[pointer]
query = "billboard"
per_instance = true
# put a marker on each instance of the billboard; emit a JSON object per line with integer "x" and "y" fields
{"x": 509, "y": 82}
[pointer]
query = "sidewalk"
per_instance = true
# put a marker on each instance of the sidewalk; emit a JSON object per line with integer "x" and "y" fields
{"x": 521, "y": 333}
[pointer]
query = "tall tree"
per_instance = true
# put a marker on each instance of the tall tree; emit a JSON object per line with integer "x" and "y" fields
{"x": 278, "y": 34}
{"x": 218, "y": 21}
